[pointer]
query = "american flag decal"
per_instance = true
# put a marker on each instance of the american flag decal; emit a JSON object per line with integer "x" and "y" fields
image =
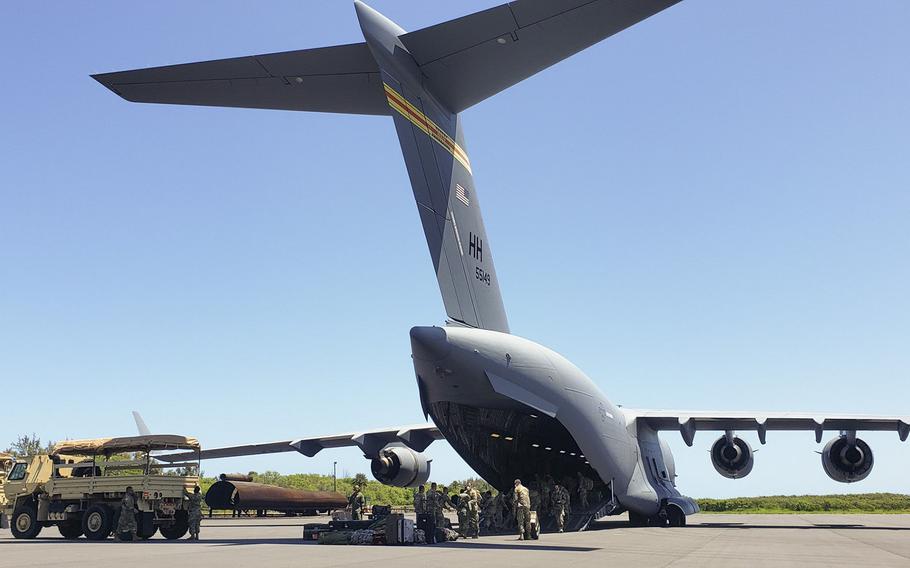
{"x": 462, "y": 194}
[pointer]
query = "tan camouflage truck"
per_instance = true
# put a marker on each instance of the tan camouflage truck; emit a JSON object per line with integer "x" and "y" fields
{"x": 77, "y": 487}
{"x": 6, "y": 463}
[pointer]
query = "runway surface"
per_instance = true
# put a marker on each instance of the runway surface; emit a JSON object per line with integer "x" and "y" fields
{"x": 709, "y": 540}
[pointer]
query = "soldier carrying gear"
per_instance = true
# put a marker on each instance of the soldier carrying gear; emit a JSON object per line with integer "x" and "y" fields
{"x": 420, "y": 501}
{"x": 194, "y": 511}
{"x": 560, "y": 496}
{"x": 463, "y": 523}
{"x": 473, "y": 512}
{"x": 127, "y": 521}
{"x": 357, "y": 502}
{"x": 522, "y": 504}
{"x": 443, "y": 501}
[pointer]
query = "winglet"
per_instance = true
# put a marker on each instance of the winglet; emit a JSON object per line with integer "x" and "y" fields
{"x": 903, "y": 430}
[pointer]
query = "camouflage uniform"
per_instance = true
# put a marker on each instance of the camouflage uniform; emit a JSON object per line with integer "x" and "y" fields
{"x": 545, "y": 498}
{"x": 194, "y": 513}
{"x": 357, "y": 502}
{"x": 442, "y": 502}
{"x": 522, "y": 503}
{"x": 535, "y": 499}
{"x": 420, "y": 501}
{"x": 560, "y": 505}
{"x": 474, "y": 512}
{"x": 431, "y": 502}
{"x": 487, "y": 510}
{"x": 127, "y": 521}
{"x": 463, "y": 524}
{"x": 585, "y": 486}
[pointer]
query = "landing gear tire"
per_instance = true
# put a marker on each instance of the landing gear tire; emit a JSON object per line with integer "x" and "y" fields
{"x": 177, "y": 529}
{"x": 25, "y": 522}
{"x": 97, "y": 522}
{"x": 637, "y": 520}
{"x": 676, "y": 517}
{"x": 70, "y": 530}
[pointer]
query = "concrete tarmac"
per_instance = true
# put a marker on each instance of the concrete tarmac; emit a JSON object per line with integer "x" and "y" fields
{"x": 709, "y": 540}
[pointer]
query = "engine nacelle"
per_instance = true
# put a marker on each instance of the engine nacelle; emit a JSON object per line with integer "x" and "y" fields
{"x": 732, "y": 459}
{"x": 400, "y": 466}
{"x": 846, "y": 462}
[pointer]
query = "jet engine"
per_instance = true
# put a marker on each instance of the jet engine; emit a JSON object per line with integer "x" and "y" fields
{"x": 732, "y": 457}
{"x": 400, "y": 466}
{"x": 847, "y": 461}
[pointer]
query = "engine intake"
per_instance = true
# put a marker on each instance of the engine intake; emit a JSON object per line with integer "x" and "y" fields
{"x": 847, "y": 462}
{"x": 400, "y": 466}
{"x": 732, "y": 457}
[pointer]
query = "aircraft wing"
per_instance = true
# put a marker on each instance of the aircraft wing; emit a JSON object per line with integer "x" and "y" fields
{"x": 689, "y": 422}
{"x": 417, "y": 437}
{"x": 469, "y": 59}
{"x": 341, "y": 78}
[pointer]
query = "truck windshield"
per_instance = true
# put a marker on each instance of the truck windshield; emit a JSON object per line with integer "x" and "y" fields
{"x": 17, "y": 473}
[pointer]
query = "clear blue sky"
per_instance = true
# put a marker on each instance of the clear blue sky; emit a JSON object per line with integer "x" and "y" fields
{"x": 708, "y": 211}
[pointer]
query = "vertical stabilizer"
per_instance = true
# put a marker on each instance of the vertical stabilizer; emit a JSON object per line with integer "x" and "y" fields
{"x": 432, "y": 142}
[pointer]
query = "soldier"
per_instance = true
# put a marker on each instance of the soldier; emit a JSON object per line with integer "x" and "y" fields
{"x": 463, "y": 524}
{"x": 443, "y": 502}
{"x": 502, "y": 507}
{"x": 545, "y": 497}
{"x": 585, "y": 486}
{"x": 357, "y": 502}
{"x": 487, "y": 506}
{"x": 522, "y": 503}
{"x": 420, "y": 501}
{"x": 535, "y": 498}
{"x": 560, "y": 505}
{"x": 194, "y": 511}
{"x": 474, "y": 511}
{"x": 127, "y": 521}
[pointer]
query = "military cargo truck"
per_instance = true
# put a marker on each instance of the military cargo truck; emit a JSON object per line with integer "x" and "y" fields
{"x": 6, "y": 463}
{"x": 77, "y": 487}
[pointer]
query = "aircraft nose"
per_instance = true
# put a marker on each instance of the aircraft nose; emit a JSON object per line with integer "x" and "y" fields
{"x": 429, "y": 343}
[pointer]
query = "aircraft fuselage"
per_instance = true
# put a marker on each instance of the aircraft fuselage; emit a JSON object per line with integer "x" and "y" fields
{"x": 515, "y": 409}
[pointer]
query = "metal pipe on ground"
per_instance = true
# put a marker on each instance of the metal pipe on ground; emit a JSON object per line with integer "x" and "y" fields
{"x": 246, "y": 495}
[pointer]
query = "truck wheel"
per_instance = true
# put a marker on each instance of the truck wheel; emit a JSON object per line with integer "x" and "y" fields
{"x": 70, "y": 529}
{"x": 146, "y": 527}
{"x": 97, "y": 521}
{"x": 177, "y": 529}
{"x": 25, "y": 522}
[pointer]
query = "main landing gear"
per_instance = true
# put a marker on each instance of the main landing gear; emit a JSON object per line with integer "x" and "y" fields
{"x": 668, "y": 516}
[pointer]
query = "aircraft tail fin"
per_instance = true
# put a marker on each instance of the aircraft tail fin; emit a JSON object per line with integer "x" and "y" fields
{"x": 423, "y": 79}
{"x": 140, "y": 425}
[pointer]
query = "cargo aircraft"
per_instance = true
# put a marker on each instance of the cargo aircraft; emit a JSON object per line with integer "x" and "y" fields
{"x": 510, "y": 407}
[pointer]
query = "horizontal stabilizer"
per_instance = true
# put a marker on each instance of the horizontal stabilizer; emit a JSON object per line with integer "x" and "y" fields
{"x": 472, "y": 58}
{"x": 342, "y": 78}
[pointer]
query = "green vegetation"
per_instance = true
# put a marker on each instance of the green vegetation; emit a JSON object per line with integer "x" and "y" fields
{"x": 28, "y": 445}
{"x": 858, "y": 503}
